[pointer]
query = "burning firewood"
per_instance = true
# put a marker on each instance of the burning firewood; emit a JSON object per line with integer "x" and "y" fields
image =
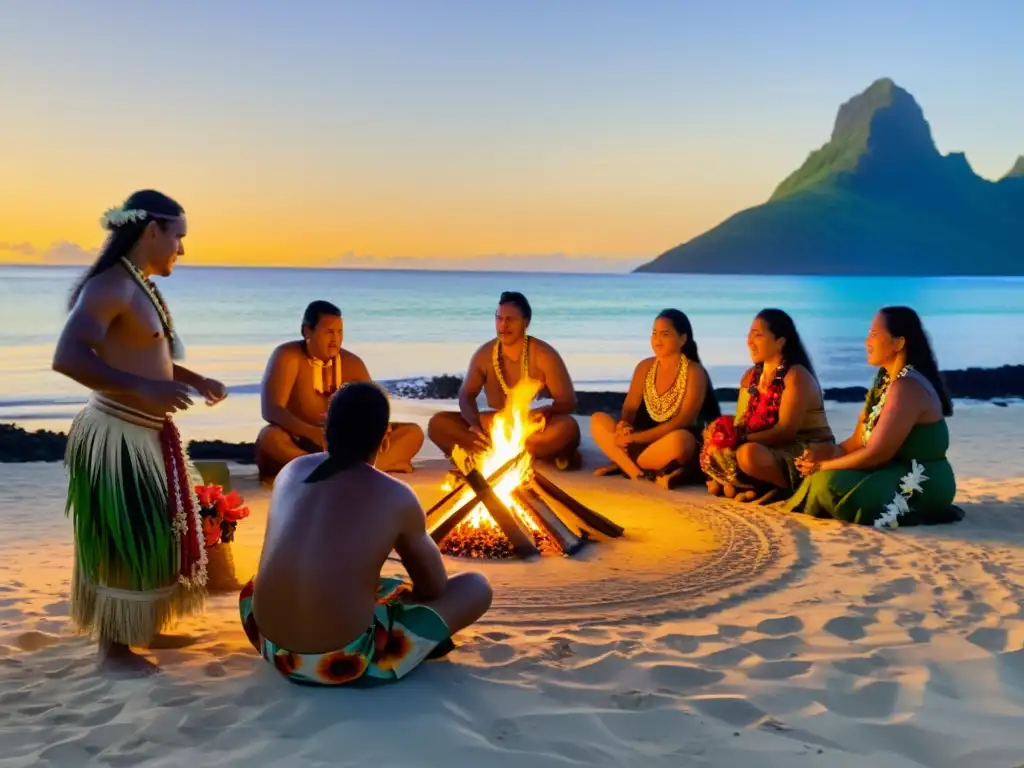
{"x": 496, "y": 505}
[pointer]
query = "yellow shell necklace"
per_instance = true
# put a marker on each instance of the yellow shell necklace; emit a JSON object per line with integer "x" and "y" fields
{"x": 523, "y": 359}
{"x": 663, "y": 407}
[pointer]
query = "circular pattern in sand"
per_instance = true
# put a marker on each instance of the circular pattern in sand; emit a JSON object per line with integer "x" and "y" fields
{"x": 683, "y": 553}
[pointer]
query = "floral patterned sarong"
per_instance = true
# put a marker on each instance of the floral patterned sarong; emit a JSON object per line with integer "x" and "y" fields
{"x": 401, "y": 636}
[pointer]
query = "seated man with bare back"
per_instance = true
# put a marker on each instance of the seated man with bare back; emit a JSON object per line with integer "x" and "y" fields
{"x": 495, "y": 369}
{"x": 299, "y": 380}
{"x": 318, "y": 608}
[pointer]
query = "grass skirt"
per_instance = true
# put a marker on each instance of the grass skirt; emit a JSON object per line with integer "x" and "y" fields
{"x": 133, "y": 574}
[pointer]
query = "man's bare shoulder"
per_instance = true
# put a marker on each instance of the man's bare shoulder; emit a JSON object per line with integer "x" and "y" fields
{"x": 111, "y": 286}
{"x": 543, "y": 351}
{"x": 348, "y": 356}
{"x": 482, "y": 356}
{"x": 287, "y": 353}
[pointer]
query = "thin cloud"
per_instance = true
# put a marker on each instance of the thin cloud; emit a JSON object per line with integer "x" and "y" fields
{"x": 25, "y": 249}
{"x": 63, "y": 252}
{"x": 66, "y": 252}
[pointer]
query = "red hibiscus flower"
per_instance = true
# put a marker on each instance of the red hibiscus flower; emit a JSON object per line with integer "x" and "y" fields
{"x": 236, "y": 514}
{"x": 723, "y": 433}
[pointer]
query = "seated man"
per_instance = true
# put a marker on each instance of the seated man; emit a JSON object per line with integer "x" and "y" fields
{"x": 299, "y": 380}
{"x": 318, "y": 608}
{"x": 496, "y": 368}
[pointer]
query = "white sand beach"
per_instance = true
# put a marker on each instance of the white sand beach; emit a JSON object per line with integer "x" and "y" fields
{"x": 712, "y": 634}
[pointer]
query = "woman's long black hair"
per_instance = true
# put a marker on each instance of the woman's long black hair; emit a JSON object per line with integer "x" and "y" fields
{"x": 124, "y": 236}
{"x": 709, "y": 409}
{"x": 782, "y": 326}
{"x": 905, "y": 322}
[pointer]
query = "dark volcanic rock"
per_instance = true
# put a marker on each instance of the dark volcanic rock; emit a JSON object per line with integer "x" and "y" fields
{"x": 18, "y": 445}
{"x": 994, "y": 384}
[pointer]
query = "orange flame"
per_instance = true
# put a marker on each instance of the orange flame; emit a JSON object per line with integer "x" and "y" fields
{"x": 511, "y": 428}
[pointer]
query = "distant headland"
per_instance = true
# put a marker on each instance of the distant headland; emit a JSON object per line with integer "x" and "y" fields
{"x": 877, "y": 199}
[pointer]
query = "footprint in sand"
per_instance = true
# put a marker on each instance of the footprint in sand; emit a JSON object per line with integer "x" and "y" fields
{"x": 60, "y": 608}
{"x": 920, "y": 634}
{"x": 876, "y": 700}
{"x": 778, "y": 670}
{"x": 774, "y": 648}
{"x": 895, "y": 588}
{"x": 737, "y": 712}
{"x": 497, "y": 653}
{"x": 675, "y": 677}
{"x": 861, "y": 666}
{"x": 33, "y": 640}
{"x": 992, "y": 639}
{"x": 785, "y": 625}
{"x": 848, "y": 627}
{"x": 680, "y": 643}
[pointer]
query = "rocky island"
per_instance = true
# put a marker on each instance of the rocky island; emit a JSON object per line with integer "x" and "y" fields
{"x": 877, "y": 199}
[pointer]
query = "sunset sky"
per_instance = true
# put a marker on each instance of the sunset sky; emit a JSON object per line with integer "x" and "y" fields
{"x": 365, "y": 132}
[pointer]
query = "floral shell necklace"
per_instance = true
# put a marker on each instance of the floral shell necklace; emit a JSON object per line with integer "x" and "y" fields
{"x": 157, "y": 300}
{"x": 876, "y": 411}
{"x": 523, "y": 358}
{"x": 663, "y": 407}
{"x": 318, "y": 373}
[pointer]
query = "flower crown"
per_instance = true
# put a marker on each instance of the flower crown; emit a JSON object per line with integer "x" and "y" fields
{"x": 116, "y": 217}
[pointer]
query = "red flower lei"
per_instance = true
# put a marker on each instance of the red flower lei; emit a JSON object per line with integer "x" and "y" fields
{"x": 763, "y": 408}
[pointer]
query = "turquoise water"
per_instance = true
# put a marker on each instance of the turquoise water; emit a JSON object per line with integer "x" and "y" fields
{"x": 407, "y": 324}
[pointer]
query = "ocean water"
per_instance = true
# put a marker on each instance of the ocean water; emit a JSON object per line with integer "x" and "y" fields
{"x": 414, "y": 323}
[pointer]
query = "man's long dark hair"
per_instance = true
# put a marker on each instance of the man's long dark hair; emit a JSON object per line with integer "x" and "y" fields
{"x": 905, "y": 322}
{"x": 357, "y": 422}
{"x": 124, "y": 236}
{"x": 710, "y": 409}
{"x": 782, "y": 326}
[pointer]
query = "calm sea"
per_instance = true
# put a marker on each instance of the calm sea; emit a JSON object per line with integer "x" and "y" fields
{"x": 408, "y": 324}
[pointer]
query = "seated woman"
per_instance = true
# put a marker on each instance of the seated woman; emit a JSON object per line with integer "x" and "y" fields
{"x": 670, "y": 400}
{"x": 780, "y": 412}
{"x": 893, "y": 469}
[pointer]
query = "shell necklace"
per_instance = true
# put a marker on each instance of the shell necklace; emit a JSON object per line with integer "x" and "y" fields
{"x": 157, "y": 300}
{"x": 523, "y": 358}
{"x": 318, "y": 373}
{"x": 876, "y": 411}
{"x": 663, "y": 407}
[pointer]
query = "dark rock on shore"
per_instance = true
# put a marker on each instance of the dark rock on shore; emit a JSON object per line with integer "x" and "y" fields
{"x": 993, "y": 384}
{"x": 18, "y": 445}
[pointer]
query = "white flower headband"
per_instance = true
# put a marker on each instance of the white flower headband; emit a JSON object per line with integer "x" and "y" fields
{"x": 116, "y": 217}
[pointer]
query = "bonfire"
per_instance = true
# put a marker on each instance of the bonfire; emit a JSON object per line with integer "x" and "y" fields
{"x": 499, "y": 505}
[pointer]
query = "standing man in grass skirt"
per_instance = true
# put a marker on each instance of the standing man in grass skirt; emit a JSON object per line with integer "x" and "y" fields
{"x": 139, "y": 556}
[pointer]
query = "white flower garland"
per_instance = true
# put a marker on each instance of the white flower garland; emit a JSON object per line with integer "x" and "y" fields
{"x": 116, "y": 217}
{"x": 912, "y": 481}
{"x": 876, "y": 412}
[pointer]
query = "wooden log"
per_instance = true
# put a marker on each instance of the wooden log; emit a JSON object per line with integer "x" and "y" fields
{"x": 518, "y": 536}
{"x": 589, "y": 517}
{"x": 567, "y": 541}
{"x": 446, "y": 524}
{"x": 450, "y": 496}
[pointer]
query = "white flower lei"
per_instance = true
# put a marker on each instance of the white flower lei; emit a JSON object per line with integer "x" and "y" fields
{"x": 876, "y": 412}
{"x": 912, "y": 481}
{"x": 115, "y": 217}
